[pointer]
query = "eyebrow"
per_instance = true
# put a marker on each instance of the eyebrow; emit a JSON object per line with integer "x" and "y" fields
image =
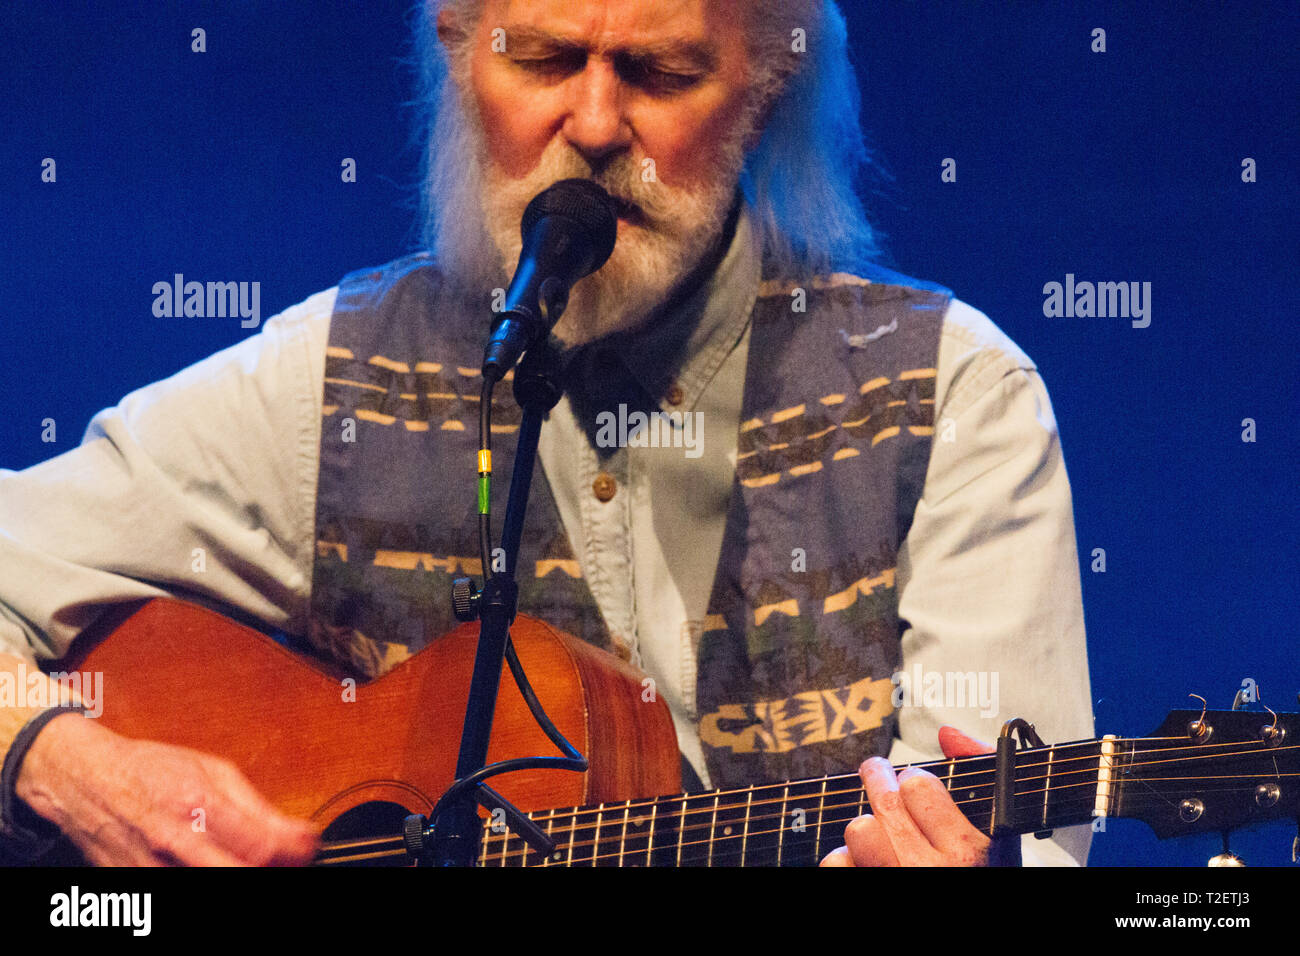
{"x": 695, "y": 54}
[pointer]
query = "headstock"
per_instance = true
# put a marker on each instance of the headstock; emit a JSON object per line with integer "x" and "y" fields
{"x": 1210, "y": 770}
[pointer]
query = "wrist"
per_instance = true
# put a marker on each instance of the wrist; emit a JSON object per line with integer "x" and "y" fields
{"x": 48, "y": 761}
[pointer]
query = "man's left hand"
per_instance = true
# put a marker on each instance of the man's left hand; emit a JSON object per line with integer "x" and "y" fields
{"x": 914, "y": 821}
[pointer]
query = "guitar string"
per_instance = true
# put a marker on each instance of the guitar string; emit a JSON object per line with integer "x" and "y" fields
{"x": 1028, "y": 793}
{"x": 491, "y": 839}
{"x": 1055, "y": 765}
{"x": 671, "y": 845}
{"x": 571, "y": 815}
{"x": 575, "y": 812}
{"x": 612, "y": 809}
{"x": 494, "y": 840}
{"x": 496, "y": 845}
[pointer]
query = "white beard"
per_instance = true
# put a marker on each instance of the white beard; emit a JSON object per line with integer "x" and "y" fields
{"x": 676, "y": 228}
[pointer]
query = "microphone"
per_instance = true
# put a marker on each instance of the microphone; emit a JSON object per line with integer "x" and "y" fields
{"x": 569, "y": 231}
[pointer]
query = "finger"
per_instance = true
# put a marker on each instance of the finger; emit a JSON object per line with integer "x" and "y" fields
{"x": 246, "y": 824}
{"x": 868, "y": 844}
{"x": 267, "y": 839}
{"x": 298, "y": 848}
{"x": 941, "y": 821}
{"x": 191, "y": 848}
{"x": 837, "y": 857}
{"x": 957, "y": 744}
{"x": 887, "y": 806}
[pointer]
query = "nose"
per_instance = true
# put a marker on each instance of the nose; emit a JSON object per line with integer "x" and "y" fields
{"x": 596, "y": 124}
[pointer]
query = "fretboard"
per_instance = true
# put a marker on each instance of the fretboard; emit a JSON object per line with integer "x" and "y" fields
{"x": 794, "y": 823}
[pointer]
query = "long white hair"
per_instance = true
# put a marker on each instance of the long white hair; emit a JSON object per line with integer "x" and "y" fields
{"x": 800, "y": 179}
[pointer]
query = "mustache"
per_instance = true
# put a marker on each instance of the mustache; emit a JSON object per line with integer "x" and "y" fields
{"x": 639, "y": 196}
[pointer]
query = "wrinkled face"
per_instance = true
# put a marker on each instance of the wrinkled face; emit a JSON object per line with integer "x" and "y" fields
{"x": 649, "y": 98}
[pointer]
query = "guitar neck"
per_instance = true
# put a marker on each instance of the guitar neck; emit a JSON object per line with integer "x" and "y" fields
{"x": 798, "y": 822}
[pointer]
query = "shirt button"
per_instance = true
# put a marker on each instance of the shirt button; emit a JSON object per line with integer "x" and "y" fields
{"x": 604, "y": 486}
{"x": 675, "y": 394}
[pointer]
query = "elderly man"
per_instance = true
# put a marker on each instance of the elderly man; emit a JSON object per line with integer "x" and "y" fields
{"x": 878, "y": 493}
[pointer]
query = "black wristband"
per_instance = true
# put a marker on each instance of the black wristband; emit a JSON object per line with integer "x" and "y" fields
{"x": 24, "y": 835}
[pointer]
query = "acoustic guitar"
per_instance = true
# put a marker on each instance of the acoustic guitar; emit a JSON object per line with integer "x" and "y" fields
{"x": 358, "y": 757}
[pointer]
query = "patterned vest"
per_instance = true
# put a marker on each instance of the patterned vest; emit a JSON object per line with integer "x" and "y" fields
{"x": 802, "y": 635}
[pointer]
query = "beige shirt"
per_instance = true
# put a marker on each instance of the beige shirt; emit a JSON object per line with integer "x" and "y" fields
{"x": 220, "y": 461}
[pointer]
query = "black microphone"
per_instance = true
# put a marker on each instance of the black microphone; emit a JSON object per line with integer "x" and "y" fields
{"x": 569, "y": 231}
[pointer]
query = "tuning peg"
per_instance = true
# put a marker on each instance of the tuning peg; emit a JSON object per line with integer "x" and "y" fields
{"x": 1248, "y": 693}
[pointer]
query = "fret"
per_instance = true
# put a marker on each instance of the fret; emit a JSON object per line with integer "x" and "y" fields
{"x": 1047, "y": 784}
{"x": 972, "y": 790}
{"x": 842, "y": 808}
{"x": 483, "y": 843}
{"x": 505, "y": 844}
{"x": 650, "y": 835}
{"x": 666, "y": 824}
{"x": 622, "y": 839}
{"x": 766, "y": 823}
{"x": 518, "y": 849}
{"x": 598, "y": 857}
{"x": 713, "y": 826}
{"x": 948, "y": 776}
{"x": 681, "y": 831}
{"x": 550, "y": 822}
{"x": 744, "y": 839}
{"x": 698, "y": 817}
{"x": 784, "y": 823}
{"x": 821, "y": 808}
{"x": 636, "y": 834}
{"x": 728, "y": 825}
{"x": 582, "y": 837}
{"x": 800, "y": 823}
{"x": 573, "y": 836}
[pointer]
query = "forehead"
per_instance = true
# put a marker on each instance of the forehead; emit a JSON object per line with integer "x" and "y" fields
{"x": 607, "y": 24}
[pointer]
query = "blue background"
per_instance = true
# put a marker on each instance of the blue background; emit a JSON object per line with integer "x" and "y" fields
{"x": 1116, "y": 166}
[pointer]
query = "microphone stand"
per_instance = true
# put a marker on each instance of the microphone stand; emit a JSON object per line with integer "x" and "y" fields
{"x": 451, "y": 839}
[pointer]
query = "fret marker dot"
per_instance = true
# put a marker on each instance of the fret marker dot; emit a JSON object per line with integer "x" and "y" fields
{"x": 556, "y": 855}
{"x": 971, "y": 794}
{"x": 726, "y": 831}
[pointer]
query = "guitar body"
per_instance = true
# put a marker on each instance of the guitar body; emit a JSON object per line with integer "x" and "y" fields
{"x": 321, "y": 749}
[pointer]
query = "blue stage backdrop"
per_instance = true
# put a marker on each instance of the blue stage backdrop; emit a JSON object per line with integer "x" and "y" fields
{"x": 1169, "y": 158}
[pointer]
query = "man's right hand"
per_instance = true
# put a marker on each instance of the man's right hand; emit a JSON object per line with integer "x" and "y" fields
{"x": 127, "y": 802}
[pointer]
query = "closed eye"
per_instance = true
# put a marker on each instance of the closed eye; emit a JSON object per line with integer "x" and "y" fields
{"x": 654, "y": 79}
{"x": 554, "y": 66}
